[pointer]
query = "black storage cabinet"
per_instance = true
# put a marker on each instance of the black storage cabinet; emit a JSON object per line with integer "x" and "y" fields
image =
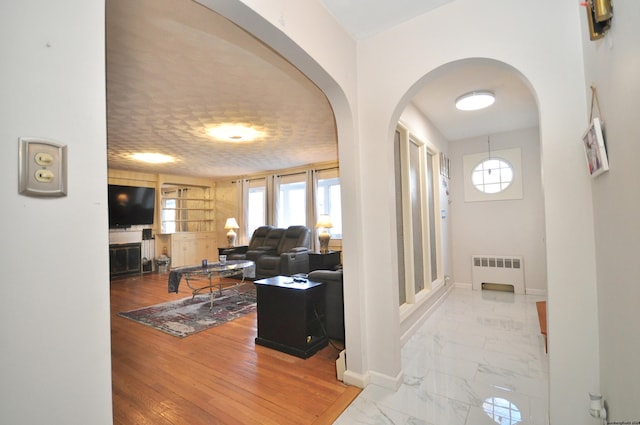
{"x": 291, "y": 315}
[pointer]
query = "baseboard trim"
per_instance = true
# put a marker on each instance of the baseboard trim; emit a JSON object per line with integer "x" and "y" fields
{"x": 442, "y": 293}
{"x": 356, "y": 379}
{"x": 463, "y": 285}
{"x": 533, "y": 291}
{"x": 386, "y": 381}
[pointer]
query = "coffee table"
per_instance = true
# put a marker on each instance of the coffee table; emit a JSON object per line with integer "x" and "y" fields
{"x": 201, "y": 278}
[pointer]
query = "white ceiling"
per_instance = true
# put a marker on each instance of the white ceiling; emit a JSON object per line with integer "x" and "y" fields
{"x": 514, "y": 108}
{"x": 174, "y": 68}
{"x": 363, "y": 18}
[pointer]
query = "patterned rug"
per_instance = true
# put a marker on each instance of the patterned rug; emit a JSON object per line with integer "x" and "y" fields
{"x": 190, "y": 315}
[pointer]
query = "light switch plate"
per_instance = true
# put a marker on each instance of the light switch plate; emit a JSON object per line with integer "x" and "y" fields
{"x": 42, "y": 168}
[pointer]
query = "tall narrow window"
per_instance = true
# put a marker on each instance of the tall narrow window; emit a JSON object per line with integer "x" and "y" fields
{"x": 292, "y": 207}
{"x": 256, "y": 208}
{"x": 416, "y": 190}
{"x": 417, "y": 221}
{"x": 329, "y": 201}
{"x": 402, "y": 291}
{"x": 169, "y": 216}
{"x": 431, "y": 202}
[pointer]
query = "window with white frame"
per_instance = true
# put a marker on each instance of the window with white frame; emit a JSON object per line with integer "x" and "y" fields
{"x": 256, "y": 205}
{"x": 492, "y": 177}
{"x": 292, "y": 201}
{"x": 168, "y": 216}
{"x": 416, "y": 205}
{"x": 399, "y": 182}
{"x": 328, "y": 200}
{"x": 285, "y": 200}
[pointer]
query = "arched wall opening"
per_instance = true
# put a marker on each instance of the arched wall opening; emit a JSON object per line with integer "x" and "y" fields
{"x": 391, "y": 64}
{"x": 336, "y": 78}
{"x": 511, "y": 123}
{"x": 375, "y": 79}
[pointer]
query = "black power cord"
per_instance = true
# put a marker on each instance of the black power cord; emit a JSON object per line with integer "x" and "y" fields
{"x": 324, "y": 330}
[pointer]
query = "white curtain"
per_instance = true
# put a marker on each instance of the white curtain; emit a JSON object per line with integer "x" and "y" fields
{"x": 242, "y": 193}
{"x": 273, "y": 199}
{"x": 312, "y": 207}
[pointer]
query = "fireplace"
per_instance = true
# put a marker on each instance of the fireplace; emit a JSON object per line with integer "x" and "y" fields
{"x": 125, "y": 259}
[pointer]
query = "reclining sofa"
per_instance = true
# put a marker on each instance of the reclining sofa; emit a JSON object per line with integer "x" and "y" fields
{"x": 277, "y": 251}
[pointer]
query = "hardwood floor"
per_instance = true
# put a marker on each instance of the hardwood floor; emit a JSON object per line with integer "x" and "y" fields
{"x": 218, "y": 376}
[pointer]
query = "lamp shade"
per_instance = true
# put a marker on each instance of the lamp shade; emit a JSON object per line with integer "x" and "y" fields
{"x": 231, "y": 224}
{"x": 324, "y": 221}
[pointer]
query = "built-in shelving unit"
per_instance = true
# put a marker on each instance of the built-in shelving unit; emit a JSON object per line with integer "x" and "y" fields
{"x": 186, "y": 208}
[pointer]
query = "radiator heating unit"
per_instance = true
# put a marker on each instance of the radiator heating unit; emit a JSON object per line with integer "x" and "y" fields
{"x": 497, "y": 271}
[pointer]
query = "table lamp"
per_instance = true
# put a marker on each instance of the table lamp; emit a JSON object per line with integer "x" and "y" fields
{"x": 231, "y": 225}
{"x": 324, "y": 223}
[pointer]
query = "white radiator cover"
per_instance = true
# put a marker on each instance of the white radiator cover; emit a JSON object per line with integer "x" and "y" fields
{"x": 501, "y": 269}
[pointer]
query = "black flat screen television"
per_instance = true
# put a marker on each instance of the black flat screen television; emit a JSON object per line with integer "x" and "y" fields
{"x": 130, "y": 205}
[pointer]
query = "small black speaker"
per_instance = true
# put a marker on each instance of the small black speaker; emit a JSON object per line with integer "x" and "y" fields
{"x": 146, "y": 234}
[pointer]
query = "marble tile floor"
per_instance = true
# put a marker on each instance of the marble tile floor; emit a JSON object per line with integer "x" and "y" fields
{"x": 479, "y": 359}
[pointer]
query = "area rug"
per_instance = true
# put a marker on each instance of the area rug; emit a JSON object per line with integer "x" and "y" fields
{"x": 191, "y": 315}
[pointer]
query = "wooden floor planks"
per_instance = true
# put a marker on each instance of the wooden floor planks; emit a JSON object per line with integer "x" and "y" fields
{"x": 218, "y": 376}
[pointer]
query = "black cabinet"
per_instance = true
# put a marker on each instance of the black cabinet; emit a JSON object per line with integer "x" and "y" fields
{"x": 291, "y": 315}
{"x": 124, "y": 259}
{"x": 240, "y": 249}
{"x": 327, "y": 261}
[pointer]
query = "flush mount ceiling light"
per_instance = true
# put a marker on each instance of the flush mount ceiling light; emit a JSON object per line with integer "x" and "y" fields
{"x": 152, "y": 157}
{"x": 475, "y": 100}
{"x": 234, "y": 133}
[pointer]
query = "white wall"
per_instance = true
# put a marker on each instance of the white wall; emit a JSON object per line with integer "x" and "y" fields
{"x": 54, "y": 309}
{"x": 55, "y": 366}
{"x": 613, "y": 66}
{"x": 506, "y": 227}
{"x": 391, "y": 66}
{"x": 424, "y": 130}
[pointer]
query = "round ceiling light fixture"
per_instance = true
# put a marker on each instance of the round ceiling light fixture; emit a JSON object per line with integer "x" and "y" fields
{"x": 152, "y": 157}
{"x": 234, "y": 133}
{"x": 475, "y": 100}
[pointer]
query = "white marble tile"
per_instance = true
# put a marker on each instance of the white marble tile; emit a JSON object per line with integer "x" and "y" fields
{"x": 488, "y": 393}
{"x": 514, "y": 381}
{"x": 450, "y": 386}
{"x": 415, "y": 402}
{"x": 366, "y": 412}
{"x": 421, "y": 365}
{"x": 505, "y": 411}
{"x": 480, "y": 350}
{"x": 515, "y": 362}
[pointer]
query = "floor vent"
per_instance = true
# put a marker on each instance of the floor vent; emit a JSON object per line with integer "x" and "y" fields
{"x": 496, "y": 271}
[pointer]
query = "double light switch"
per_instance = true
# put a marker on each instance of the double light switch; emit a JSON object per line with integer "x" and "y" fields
{"x": 43, "y": 168}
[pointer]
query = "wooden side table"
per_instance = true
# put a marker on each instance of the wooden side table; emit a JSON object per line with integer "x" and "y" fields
{"x": 291, "y": 315}
{"x": 328, "y": 261}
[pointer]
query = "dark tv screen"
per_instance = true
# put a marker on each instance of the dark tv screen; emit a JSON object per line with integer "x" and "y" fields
{"x": 130, "y": 205}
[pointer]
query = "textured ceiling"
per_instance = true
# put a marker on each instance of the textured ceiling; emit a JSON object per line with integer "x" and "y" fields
{"x": 174, "y": 68}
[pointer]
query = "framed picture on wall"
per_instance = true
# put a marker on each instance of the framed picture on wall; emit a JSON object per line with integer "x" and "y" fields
{"x": 594, "y": 149}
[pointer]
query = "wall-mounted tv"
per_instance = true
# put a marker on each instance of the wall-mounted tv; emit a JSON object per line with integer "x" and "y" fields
{"x": 130, "y": 205}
